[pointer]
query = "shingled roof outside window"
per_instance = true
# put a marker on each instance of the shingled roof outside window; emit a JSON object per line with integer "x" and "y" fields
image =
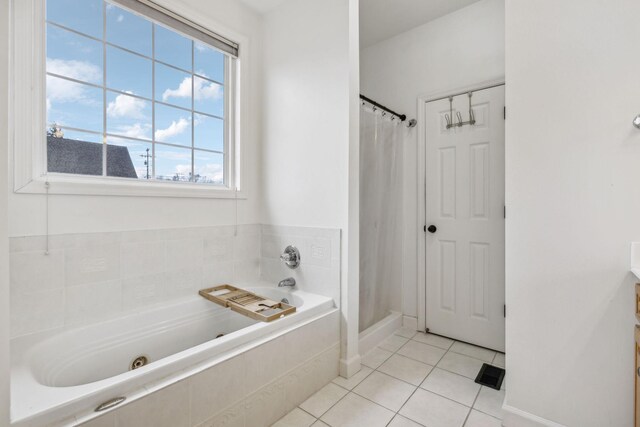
{"x": 85, "y": 158}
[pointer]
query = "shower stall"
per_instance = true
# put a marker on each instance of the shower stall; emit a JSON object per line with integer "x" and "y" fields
{"x": 381, "y": 212}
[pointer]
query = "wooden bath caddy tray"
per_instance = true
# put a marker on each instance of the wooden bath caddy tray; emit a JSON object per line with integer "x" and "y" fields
{"x": 247, "y": 303}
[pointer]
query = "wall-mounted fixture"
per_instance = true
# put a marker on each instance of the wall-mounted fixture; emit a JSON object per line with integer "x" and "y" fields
{"x": 459, "y": 123}
{"x": 291, "y": 257}
{"x": 402, "y": 117}
{"x": 289, "y": 282}
{"x": 636, "y": 121}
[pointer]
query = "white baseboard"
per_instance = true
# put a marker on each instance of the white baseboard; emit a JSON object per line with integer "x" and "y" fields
{"x": 410, "y": 322}
{"x": 514, "y": 417}
{"x": 374, "y": 335}
{"x": 349, "y": 368}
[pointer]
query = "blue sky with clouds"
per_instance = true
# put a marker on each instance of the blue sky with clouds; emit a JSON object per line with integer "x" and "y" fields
{"x": 129, "y": 78}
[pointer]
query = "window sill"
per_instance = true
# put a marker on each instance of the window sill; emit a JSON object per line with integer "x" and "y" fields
{"x": 101, "y": 186}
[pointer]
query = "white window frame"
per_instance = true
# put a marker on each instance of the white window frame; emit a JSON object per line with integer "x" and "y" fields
{"x": 28, "y": 118}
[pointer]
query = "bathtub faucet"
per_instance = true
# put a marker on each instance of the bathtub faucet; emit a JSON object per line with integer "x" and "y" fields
{"x": 289, "y": 281}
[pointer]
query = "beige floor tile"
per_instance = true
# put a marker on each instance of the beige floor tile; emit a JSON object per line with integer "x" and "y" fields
{"x": 319, "y": 424}
{"x": 499, "y": 360}
{"x": 356, "y": 411}
{"x": 405, "y": 369}
{"x": 424, "y": 353}
{"x": 400, "y": 421}
{"x": 375, "y": 357}
{"x": 432, "y": 410}
{"x": 296, "y": 418}
{"x": 461, "y": 364}
{"x": 435, "y": 340}
{"x": 356, "y": 379}
{"x": 453, "y": 386}
{"x": 406, "y": 332}
{"x": 478, "y": 419}
{"x": 385, "y": 390}
{"x": 393, "y": 343}
{"x": 324, "y": 399}
{"x": 490, "y": 402}
{"x": 473, "y": 351}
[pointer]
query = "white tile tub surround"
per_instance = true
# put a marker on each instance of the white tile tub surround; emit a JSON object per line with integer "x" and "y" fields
{"x": 255, "y": 376}
{"x": 87, "y": 278}
{"x": 207, "y": 399}
{"x": 319, "y": 270}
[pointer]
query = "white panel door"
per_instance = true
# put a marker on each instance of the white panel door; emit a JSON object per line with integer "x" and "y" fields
{"x": 465, "y": 213}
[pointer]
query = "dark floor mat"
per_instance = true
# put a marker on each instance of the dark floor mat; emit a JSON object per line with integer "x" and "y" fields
{"x": 490, "y": 376}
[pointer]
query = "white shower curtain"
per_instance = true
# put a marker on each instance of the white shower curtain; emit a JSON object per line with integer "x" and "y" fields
{"x": 380, "y": 214}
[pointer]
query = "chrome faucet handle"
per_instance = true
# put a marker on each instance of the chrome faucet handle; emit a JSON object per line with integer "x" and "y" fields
{"x": 289, "y": 282}
{"x": 291, "y": 257}
{"x": 285, "y": 257}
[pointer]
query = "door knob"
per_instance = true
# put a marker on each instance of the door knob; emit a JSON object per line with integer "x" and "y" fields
{"x": 432, "y": 229}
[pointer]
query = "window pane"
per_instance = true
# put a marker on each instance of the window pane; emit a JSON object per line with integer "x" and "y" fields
{"x": 128, "y": 30}
{"x": 208, "y": 133}
{"x": 74, "y": 104}
{"x": 208, "y": 62}
{"x": 74, "y": 56}
{"x": 80, "y": 15}
{"x": 208, "y": 167}
{"x": 173, "y": 125}
{"x": 128, "y": 116}
{"x": 127, "y": 158}
{"x": 209, "y": 97}
{"x": 172, "y": 163}
{"x": 74, "y": 152}
{"x": 173, "y": 86}
{"x": 128, "y": 72}
{"x": 172, "y": 48}
{"x": 77, "y": 135}
{"x": 140, "y": 97}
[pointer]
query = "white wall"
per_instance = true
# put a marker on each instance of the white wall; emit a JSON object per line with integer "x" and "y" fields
{"x": 307, "y": 101}
{"x": 306, "y": 114}
{"x": 4, "y": 242}
{"x": 78, "y": 214}
{"x": 572, "y": 208}
{"x": 457, "y": 50}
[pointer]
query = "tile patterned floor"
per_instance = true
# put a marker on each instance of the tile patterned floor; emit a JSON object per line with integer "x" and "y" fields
{"x": 411, "y": 379}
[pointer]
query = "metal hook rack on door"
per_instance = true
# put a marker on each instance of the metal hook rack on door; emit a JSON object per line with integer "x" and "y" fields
{"x": 459, "y": 123}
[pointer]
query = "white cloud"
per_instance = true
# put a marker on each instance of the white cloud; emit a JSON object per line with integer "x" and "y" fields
{"x": 212, "y": 171}
{"x": 137, "y": 130}
{"x": 175, "y": 128}
{"x": 202, "y": 90}
{"x": 126, "y": 106}
{"x": 79, "y": 70}
{"x": 206, "y": 90}
{"x": 183, "y": 90}
{"x": 120, "y": 18}
{"x": 61, "y": 90}
{"x": 183, "y": 169}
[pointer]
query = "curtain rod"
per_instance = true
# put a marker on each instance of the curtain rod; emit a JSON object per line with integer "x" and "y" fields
{"x": 402, "y": 117}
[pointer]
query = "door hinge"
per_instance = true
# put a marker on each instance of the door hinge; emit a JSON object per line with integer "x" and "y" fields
{"x": 505, "y": 310}
{"x": 505, "y": 212}
{"x": 424, "y": 228}
{"x": 504, "y": 111}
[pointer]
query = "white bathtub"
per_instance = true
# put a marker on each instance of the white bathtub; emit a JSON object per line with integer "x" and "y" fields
{"x": 58, "y": 375}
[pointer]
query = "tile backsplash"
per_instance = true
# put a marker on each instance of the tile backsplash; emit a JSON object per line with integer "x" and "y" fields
{"x": 87, "y": 278}
{"x": 319, "y": 270}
